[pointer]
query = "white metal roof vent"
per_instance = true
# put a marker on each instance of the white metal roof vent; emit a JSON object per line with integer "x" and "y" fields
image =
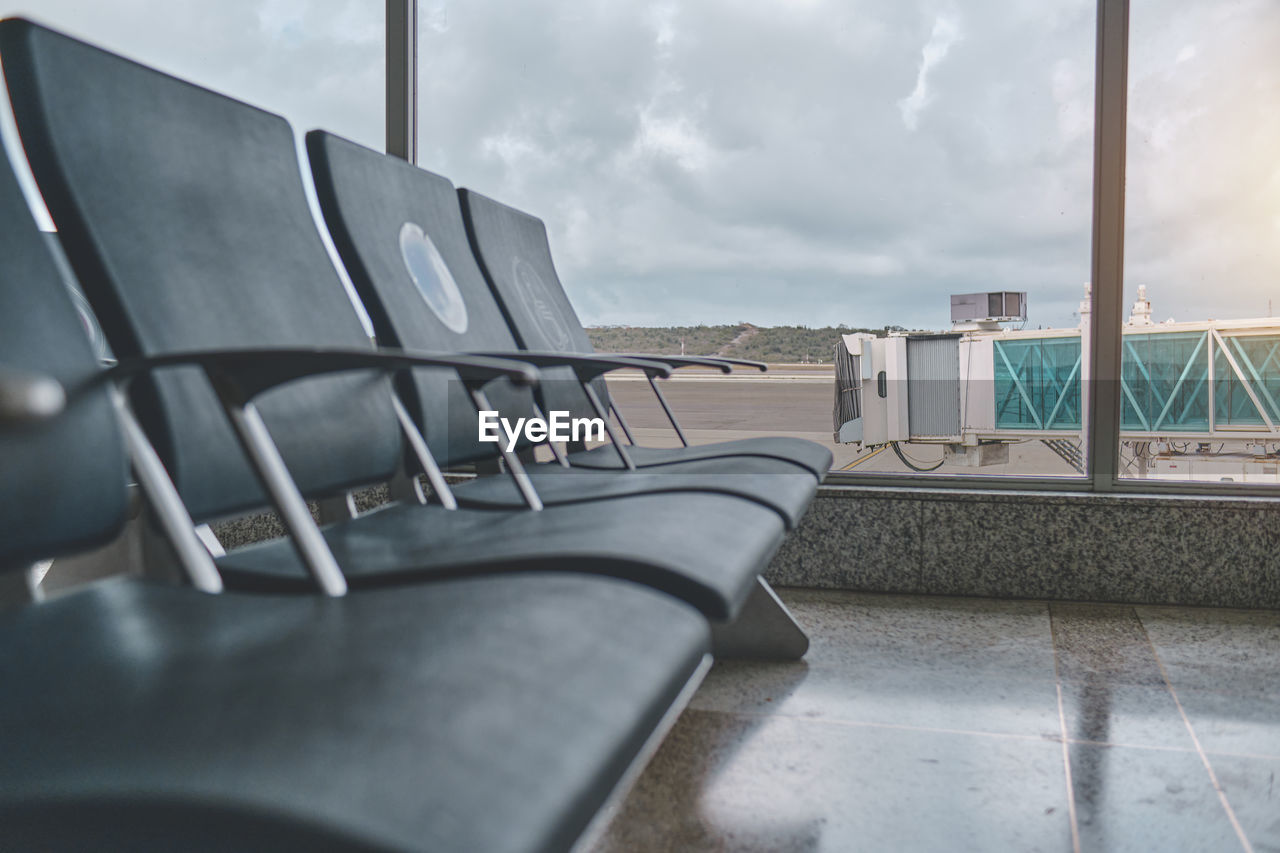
{"x": 988, "y": 308}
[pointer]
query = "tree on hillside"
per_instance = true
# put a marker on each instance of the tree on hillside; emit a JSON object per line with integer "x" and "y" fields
{"x": 774, "y": 344}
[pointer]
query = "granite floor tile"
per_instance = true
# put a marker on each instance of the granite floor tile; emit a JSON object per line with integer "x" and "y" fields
{"x": 1253, "y": 792}
{"x": 1229, "y": 651}
{"x": 921, "y": 633}
{"x": 1099, "y": 711}
{"x": 1233, "y": 723}
{"x": 955, "y": 664}
{"x": 1101, "y": 642}
{"x": 727, "y": 782}
{"x": 1145, "y": 799}
{"x": 928, "y": 723}
{"x": 887, "y": 696}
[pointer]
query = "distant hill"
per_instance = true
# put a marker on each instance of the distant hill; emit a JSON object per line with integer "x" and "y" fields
{"x": 745, "y": 340}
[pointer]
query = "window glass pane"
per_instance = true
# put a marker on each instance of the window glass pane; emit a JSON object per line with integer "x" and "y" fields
{"x": 1202, "y": 254}
{"x": 317, "y": 62}
{"x": 763, "y": 179}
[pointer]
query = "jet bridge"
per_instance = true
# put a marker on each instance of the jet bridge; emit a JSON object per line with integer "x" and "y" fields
{"x": 1202, "y": 385}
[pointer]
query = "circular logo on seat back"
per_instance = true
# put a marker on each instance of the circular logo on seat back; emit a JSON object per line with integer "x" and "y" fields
{"x": 538, "y": 305}
{"x": 432, "y": 277}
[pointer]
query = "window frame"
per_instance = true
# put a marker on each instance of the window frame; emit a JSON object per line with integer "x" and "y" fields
{"x": 402, "y": 79}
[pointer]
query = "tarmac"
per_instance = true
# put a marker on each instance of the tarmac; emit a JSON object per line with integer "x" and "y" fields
{"x": 789, "y": 399}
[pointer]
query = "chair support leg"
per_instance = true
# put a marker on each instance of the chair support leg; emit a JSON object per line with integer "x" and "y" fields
{"x": 404, "y": 488}
{"x": 20, "y": 588}
{"x": 338, "y": 508}
{"x": 764, "y": 630}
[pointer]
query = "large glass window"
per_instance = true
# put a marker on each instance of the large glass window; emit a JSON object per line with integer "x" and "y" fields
{"x": 1202, "y": 254}
{"x": 801, "y": 183}
{"x": 319, "y": 63}
{"x": 892, "y": 202}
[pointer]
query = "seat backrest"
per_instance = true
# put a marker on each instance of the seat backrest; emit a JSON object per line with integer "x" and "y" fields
{"x": 515, "y": 256}
{"x": 184, "y": 217}
{"x": 400, "y": 234}
{"x": 62, "y": 480}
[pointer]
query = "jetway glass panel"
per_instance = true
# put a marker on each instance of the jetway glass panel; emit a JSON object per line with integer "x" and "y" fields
{"x": 1164, "y": 382}
{"x": 1037, "y": 383}
{"x": 1256, "y": 368}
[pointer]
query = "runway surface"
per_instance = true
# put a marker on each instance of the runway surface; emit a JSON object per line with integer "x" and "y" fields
{"x": 790, "y": 399}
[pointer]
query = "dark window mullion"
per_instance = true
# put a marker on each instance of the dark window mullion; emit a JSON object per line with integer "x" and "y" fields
{"x": 1110, "y": 116}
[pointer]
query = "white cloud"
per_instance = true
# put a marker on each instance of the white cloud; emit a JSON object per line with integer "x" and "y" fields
{"x": 663, "y": 21}
{"x": 508, "y": 147}
{"x": 720, "y": 160}
{"x": 676, "y": 139}
{"x": 1073, "y": 94}
{"x": 946, "y": 32}
{"x": 434, "y": 16}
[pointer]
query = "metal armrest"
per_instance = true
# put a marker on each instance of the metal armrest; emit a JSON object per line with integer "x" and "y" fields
{"x": 725, "y": 365}
{"x": 32, "y": 397}
{"x": 677, "y": 361}
{"x": 587, "y": 367}
{"x": 239, "y": 375}
{"x": 739, "y": 362}
{"x": 253, "y": 371}
{"x": 27, "y": 397}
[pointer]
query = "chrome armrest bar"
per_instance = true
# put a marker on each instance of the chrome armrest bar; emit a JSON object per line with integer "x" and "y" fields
{"x": 238, "y": 376}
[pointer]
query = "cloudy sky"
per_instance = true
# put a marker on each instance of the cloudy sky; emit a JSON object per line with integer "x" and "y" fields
{"x": 793, "y": 161}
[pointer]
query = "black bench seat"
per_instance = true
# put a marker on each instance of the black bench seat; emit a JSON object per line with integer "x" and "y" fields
{"x": 706, "y": 549}
{"x": 491, "y": 714}
{"x": 813, "y": 457}
{"x": 187, "y": 224}
{"x": 494, "y": 713}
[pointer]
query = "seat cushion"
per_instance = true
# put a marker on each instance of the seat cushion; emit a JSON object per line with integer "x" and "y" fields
{"x": 784, "y": 487}
{"x": 705, "y": 549}
{"x": 487, "y": 714}
{"x": 813, "y": 456}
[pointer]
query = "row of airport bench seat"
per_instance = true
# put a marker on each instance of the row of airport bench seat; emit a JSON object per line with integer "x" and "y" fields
{"x": 474, "y": 668}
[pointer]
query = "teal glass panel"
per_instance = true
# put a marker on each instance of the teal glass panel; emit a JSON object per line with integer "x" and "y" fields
{"x": 1165, "y": 382}
{"x": 1258, "y": 357}
{"x": 1037, "y": 383}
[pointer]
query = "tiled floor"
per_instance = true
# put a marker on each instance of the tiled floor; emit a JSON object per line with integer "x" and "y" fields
{"x": 924, "y": 723}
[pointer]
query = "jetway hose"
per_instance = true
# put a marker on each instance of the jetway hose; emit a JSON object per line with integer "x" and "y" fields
{"x": 912, "y": 465}
{"x": 855, "y": 463}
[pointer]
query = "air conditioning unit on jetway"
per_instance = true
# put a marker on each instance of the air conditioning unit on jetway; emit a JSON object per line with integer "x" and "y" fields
{"x": 988, "y": 308}
{"x": 871, "y": 390}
